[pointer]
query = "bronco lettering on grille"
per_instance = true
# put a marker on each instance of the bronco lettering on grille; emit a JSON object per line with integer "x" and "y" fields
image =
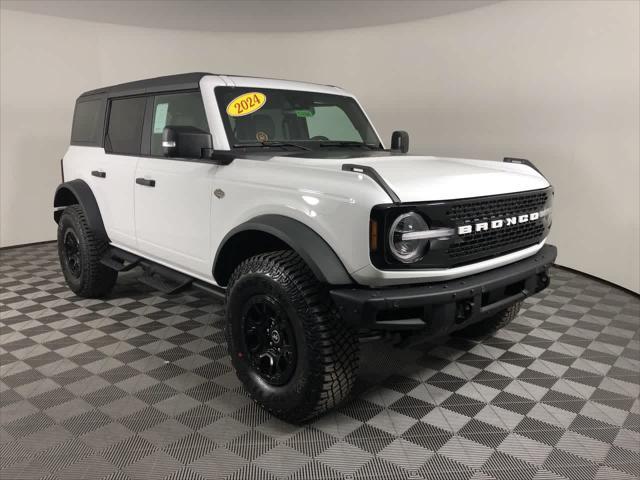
{"x": 500, "y": 223}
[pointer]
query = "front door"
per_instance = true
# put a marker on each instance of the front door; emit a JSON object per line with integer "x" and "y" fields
{"x": 173, "y": 196}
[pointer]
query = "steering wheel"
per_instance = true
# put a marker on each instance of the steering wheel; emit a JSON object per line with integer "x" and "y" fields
{"x": 321, "y": 138}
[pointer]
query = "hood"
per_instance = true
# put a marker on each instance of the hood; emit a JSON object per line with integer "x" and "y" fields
{"x": 423, "y": 178}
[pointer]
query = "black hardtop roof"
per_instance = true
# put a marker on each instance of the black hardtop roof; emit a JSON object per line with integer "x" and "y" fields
{"x": 182, "y": 81}
{"x": 168, "y": 82}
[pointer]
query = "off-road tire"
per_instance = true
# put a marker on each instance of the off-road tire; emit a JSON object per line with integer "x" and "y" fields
{"x": 95, "y": 279}
{"x": 493, "y": 323}
{"x": 327, "y": 348}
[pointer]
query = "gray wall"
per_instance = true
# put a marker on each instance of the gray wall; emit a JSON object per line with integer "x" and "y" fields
{"x": 555, "y": 82}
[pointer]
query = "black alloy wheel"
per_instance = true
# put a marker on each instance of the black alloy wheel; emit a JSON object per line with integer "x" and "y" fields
{"x": 269, "y": 340}
{"x": 71, "y": 249}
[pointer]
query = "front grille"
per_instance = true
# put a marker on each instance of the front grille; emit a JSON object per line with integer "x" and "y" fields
{"x": 464, "y": 249}
{"x": 487, "y": 243}
{"x": 497, "y": 207}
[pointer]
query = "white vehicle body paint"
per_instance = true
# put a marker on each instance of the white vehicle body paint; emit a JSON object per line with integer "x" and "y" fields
{"x": 181, "y": 223}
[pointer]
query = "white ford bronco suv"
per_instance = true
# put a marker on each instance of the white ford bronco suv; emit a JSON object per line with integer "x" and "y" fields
{"x": 281, "y": 197}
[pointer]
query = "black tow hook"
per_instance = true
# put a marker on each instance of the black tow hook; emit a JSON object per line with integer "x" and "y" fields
{"x": 543, "y": 281}
{"x": 464, "y": 311}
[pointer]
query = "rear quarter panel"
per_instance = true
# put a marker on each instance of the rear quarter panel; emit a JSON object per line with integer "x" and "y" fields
{"x": 114, "y": 194}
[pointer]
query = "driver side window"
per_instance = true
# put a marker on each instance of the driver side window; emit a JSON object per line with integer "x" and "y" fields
{"x": 176, "y": 110}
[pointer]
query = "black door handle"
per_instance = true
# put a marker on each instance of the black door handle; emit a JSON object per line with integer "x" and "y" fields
{"x": 98, "y": 173}
{"x": 146, "y": 182}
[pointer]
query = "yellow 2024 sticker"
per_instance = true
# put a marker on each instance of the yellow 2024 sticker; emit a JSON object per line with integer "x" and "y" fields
{"x": 246, "y": 103}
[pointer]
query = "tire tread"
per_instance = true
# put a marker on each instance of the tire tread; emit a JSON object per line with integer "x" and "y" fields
{"x": 332, "y": 344}
{"x": 97, "y": 279}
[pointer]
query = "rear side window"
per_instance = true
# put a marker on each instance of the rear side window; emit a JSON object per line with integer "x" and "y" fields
{"x": 86, "y": 122}
{"x": 124, "y": 133}
{"x": 176, "y": 110}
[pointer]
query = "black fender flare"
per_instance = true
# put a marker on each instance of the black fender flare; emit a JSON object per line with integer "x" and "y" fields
{"x": 78, "y": 190}
{"x": 314, "y": 250}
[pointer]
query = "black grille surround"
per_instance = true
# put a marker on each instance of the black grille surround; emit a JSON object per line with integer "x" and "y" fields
{"x": 472, "y": 247}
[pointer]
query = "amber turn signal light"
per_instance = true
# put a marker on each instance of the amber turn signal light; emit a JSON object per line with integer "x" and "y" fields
{"x": 373, "y": 235}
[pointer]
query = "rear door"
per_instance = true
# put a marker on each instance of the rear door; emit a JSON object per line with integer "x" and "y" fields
{"x": 112, "y": 175}
{"x": 173, "y": 195}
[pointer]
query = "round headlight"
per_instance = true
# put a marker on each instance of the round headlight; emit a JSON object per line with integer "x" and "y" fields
{"x": 407, "y": 251}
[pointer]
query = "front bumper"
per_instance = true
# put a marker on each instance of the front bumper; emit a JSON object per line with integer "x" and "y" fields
{"x": 440, "y": 308}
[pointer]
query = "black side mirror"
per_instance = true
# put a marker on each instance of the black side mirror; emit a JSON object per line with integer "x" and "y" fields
{"x": 400, "y": 141}
{"x": 186, "y": 142}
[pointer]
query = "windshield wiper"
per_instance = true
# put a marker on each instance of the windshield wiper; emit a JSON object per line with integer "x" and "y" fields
{"x": 271, "y": 143}
{"x": 345, "y": 143}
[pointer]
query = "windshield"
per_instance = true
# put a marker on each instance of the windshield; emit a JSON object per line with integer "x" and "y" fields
{"x": 262, "y": 117}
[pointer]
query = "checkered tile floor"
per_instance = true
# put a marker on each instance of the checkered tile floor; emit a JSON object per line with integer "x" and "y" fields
{"x": 139, "y": 385}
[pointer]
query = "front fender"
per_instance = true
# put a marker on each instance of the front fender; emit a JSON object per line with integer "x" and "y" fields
{"x": 317, "y": 253}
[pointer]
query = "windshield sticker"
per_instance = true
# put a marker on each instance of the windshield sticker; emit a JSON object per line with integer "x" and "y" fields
{"x": 245, "y": 104}
{"x": 304, "y": 113}
{"x": 160, "y": 119}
